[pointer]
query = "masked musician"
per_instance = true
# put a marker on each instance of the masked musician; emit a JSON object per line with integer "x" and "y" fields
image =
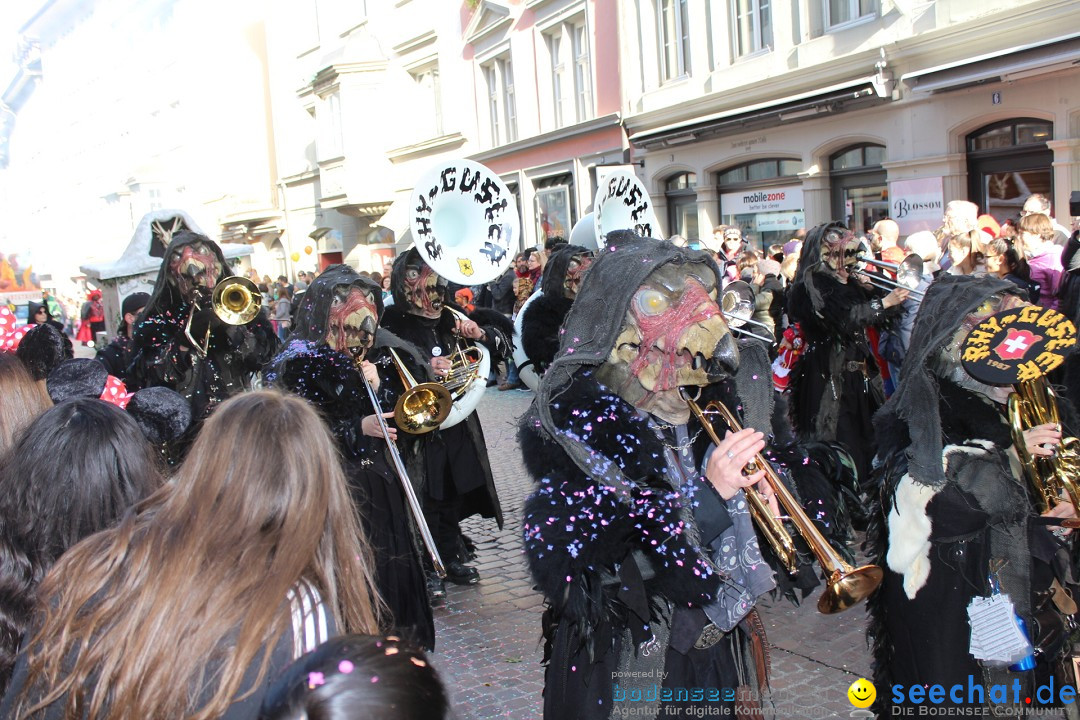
{"x": 957, "y": 520}
{"x": 645, "y": 552}
{"x": 451, "y": 464}
{"x": 836, "y": 387}
{"x": 544, "y": 315}
{"x": 168, "y": 353}
{"x": 333, "y": 341}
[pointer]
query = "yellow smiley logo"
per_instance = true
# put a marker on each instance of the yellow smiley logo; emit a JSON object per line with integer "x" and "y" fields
{"x": 861, "y": 693}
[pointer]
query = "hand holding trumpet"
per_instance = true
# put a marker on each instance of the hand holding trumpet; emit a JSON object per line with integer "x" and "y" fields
{"x": 725, "y": 467}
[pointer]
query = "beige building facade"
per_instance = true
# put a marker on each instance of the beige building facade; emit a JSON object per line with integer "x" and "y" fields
{"x": 784, "y": 114}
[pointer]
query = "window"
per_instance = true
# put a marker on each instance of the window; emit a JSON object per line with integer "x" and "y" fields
{"x": 509, "y": 101}
{"x": 1007, "y": 162}
{"x": 763, "y": 198}
{"x": 860, "y": 193}
{"x": 428, "y": 106}
{"x": 558, "y": 76}
{"x": 331, "y": 144}
{"x": 570, "y": 43}
{"x": 502, "y": 103}
{"x": 838, "y": 12}
{"x": 681, "y": 194}
{"x": 674, "y": 38}
{"x": 759, "y": 170}
{"x": 753, "y": 25}
{"x": 492, "y": 83}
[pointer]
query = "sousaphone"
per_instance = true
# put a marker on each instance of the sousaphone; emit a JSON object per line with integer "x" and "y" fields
{"x": 464, "y": 220}
{"x": 623, "y": 203}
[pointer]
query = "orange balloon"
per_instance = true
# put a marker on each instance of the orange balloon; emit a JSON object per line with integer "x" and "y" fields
{"x": 295, "y": 257}
{"x": 308, "y": 249}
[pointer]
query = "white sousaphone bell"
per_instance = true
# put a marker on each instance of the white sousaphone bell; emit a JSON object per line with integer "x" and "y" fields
{"x": 464, "y": 221}
{"x": 623, "y": 203}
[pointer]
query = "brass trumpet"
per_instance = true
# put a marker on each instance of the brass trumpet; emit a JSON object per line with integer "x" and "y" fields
{"x": 846, "y": 586}
{"x": 1052, "y": 478}
{"x": 236, "y": 301}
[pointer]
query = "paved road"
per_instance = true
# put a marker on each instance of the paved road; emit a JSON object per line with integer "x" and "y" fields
{"x": 488, "y": 635}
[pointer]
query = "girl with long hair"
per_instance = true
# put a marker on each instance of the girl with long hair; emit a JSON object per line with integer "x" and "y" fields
{"x": 21, "y": 399}
{"x": 197, "y": 599}
{"x": 78, "y": 468}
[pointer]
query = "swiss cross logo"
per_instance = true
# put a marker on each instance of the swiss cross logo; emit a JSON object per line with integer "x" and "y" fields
{"x": 1016, "y": 344}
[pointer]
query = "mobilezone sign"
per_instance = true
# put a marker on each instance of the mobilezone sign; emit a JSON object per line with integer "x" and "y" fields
{"x": 760, "y": 201}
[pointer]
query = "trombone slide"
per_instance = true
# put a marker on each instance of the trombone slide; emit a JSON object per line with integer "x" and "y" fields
{"x": 410, "y": 493}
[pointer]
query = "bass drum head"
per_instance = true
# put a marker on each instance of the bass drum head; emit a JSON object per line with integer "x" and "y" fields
{"x": 463, "y": 407}
{"x": 526, "y": 369}
{"x": 623, "y": 203}
{"x": 464, "y": 222}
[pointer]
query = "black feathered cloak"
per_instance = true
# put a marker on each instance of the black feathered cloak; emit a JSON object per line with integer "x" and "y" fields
{"x": 162, "y": 356}
{"x": 620, "y": 546}
{"x": 330, "y": 380}
{"x": 541, "y": 320}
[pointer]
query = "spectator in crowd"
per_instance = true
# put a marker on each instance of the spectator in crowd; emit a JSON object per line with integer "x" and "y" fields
{"x": 358, "y": 676}
{"x": 895, "y": 341}
{"x": 1005, "y": 262}
{"x": 884, "y": 239}
{"x": 21, "y": 400}
{"x": 1043, "y": 256}
{"x": 302, "y": 281}
{"x": 283, "y": 313}
{"x": 78, "y": 468}
{"x": 1038, "y": 204}
{"x": 769, "y": 301}
{"x": 118, "y": 354}
{"x": 251, "y": 557}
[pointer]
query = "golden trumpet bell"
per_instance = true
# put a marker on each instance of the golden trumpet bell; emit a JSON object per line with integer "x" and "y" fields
{"x": 236, "y": 300}
{"x": 422, "y": 408}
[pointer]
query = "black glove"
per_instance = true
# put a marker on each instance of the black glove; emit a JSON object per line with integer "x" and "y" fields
{"x": 202, "y": 321}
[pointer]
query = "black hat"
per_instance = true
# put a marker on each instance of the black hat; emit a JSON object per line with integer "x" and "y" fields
{"x": 42, "y": 349}
{"x": 76, "y": 378}
{"x": 162, "y": 414}
{"x": 134, "y": 302}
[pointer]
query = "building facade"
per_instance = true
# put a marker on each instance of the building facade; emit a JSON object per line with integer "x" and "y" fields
{"x": 780, "y": 114}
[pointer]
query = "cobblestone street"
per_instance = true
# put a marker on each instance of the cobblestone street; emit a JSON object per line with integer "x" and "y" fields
{"x": 488, "y": 635}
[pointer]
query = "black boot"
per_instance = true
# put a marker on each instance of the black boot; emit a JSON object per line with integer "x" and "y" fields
{"x": 459, "y": 573}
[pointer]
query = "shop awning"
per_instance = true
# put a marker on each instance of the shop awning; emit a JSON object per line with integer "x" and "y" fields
{"x": 1015, "y": 63}
{"x": 801, "y": 106}
{"x": 396, "y": 217}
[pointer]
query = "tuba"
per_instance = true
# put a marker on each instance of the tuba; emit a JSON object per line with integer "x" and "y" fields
{"x": 465, "y": 225}
{"x": 236, "y": 301}
{"x": 846, "y": 586}
{"x": 1052, "y": 479}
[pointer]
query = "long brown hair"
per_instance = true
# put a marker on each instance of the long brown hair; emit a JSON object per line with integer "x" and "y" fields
{"x": 176, "y": 602}
{"x": 21, "y": 399}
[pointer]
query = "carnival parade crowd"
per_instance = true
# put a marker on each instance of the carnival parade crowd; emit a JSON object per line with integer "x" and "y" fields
{"x": 713, "y": 422}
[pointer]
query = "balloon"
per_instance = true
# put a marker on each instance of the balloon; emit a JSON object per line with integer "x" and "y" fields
{"x": 308, "y": 249}
{"x": 295, "y": 257}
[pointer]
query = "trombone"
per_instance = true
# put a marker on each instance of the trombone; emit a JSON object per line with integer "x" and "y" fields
{"x": 909, "y": 272}
{"x": 737, "y": 305}
{"x": 846, "y": 586}
{"x": 236, "y": 301}
{"x": 423, "y": 406}
{"x": 399, "y": 467}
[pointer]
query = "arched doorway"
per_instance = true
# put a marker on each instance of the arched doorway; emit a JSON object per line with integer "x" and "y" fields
{"x": 1007, "y": 161}
{"x": 681, "y": 193}
{"x": 860, "y": 193}
{"x": 277, "y": 261}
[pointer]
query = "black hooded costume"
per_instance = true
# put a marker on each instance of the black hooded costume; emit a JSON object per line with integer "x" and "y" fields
{"x": 541, "y": 320}
{"x": 330, "y": 380}
{"x": 836, "y": 387}
{"x": 623, "y": 536}
{"x": 163, "y": 356}
{"x": 450, "y": 466}
{"x": 952, "y": 509}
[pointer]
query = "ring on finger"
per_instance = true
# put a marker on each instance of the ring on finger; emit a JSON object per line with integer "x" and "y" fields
{"x": 730, "y": 455}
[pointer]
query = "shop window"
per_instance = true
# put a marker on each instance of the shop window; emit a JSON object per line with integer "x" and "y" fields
{"x": 554, "y": 198}
{"x": 763, "y": 198}
{"x": 681, "y": 193}
{"x": 1007, "y": 162}
{"x": 860, "y": 192}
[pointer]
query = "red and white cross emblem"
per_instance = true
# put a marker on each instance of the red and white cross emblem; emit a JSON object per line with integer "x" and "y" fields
{"x": 1016, "y": 344}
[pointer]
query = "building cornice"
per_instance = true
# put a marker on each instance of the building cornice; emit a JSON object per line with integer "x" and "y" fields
{"x": 444, "y": 142}
{"x": 583, "y": 128}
